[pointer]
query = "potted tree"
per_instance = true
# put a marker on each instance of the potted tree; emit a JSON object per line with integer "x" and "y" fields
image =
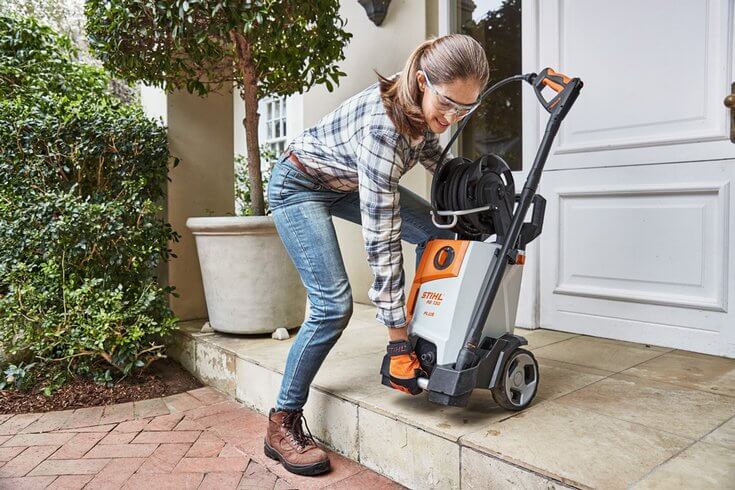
{"x": 261, "y": 47}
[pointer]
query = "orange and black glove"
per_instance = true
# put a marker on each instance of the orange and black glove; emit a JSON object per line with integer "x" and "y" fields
{"x": 401, "y": 368}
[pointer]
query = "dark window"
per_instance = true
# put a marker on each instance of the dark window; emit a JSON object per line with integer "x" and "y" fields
{"x": 496, "y": 126}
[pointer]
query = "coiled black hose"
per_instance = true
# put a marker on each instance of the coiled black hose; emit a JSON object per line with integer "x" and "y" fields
{"x": 486, "y": 182}
{"x": 461, "y": 184}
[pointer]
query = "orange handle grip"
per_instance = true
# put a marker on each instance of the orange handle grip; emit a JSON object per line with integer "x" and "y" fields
{"x": 558, "y": 85}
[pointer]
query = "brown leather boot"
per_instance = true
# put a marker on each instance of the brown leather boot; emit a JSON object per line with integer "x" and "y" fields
{"x": 286, "y": 442}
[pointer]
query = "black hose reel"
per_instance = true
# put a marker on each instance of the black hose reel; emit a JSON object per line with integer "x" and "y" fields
{"x": 481, "y": 195}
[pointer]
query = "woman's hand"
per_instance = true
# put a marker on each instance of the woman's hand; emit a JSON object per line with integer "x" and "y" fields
{"x": 401, "y": 368}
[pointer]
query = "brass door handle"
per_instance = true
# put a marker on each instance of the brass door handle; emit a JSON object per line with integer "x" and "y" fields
{"x": 730, "y": 104}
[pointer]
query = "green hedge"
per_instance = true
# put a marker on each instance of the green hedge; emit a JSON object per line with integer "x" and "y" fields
{"x": 81, "y": 233}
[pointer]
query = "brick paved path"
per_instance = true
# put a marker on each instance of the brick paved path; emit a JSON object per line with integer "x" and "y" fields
{"x": 199, "y": 439}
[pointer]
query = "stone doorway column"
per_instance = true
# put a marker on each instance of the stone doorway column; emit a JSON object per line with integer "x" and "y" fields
{"x": 200, "y": 133}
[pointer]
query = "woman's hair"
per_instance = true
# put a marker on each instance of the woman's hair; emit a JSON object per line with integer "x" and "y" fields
{"x": 445, "y": 59}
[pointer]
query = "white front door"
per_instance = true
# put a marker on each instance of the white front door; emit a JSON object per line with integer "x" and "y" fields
{"x": 639, "y": 232}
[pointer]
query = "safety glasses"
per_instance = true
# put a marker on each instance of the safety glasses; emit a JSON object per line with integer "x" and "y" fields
{"x": 447, "y": 105}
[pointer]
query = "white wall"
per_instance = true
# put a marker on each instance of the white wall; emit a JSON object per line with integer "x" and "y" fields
{"x": 153, "y": 100}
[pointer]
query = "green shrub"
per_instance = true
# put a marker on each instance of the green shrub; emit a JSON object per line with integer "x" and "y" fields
{"x": 81, "y": 229}
{"x": 16, "y": 376}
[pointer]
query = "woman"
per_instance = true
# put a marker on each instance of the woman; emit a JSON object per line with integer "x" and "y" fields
{"x": 348, "y": 165}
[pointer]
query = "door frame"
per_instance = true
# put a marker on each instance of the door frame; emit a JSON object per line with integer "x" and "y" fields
{"x": 529, "y": 305}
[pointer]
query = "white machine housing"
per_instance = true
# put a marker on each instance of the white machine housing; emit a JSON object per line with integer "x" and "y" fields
{"x": 443, "y": 307}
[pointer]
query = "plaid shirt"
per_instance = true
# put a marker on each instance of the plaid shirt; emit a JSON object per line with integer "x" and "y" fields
{"x": 357, "y": 148}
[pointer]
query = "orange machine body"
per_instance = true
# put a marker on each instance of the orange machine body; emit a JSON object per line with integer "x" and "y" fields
{"x": 433, "y": 265}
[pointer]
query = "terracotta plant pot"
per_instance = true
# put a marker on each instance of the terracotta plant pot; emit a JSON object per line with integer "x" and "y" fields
{"x": 250, "y": 284}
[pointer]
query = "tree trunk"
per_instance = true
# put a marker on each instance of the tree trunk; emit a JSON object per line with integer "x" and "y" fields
{"x": 250, "y": 98}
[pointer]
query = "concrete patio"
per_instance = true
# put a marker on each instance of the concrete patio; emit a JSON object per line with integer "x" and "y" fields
{"x": 608, "y": 414}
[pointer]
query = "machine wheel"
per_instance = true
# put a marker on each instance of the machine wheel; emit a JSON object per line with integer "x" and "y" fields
{"x": 518, "y": 381}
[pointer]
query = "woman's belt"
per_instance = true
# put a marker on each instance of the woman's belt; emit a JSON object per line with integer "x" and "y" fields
{"x": 297, "y": 163}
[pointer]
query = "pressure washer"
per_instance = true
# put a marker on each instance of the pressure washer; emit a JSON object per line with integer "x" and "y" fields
{"x": 463, "y": 300}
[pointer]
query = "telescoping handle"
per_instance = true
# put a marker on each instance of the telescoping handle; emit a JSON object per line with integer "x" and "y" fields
{"x": 559, "y": 83}
{"x": 567, "y": 89}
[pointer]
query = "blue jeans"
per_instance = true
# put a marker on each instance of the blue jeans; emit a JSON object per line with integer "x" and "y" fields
{"x": 302, "y": 210}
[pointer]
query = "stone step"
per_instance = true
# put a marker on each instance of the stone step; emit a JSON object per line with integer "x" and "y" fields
{"x": 554, "y": 444}
{"x": 379, "y": 431}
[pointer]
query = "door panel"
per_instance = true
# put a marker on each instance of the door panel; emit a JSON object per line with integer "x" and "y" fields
{"x": 655, "y": 75}
{"x": 646, "y": 259}
{"x": 656, "y": 243}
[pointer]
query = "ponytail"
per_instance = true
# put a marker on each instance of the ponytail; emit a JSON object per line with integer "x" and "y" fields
{"x": 401, "y": 95}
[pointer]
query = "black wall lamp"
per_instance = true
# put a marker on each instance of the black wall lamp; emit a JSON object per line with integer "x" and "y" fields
{"x": 376, "y": 9}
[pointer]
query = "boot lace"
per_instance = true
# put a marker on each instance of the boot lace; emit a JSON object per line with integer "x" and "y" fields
{"x": 292, "y": 422}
